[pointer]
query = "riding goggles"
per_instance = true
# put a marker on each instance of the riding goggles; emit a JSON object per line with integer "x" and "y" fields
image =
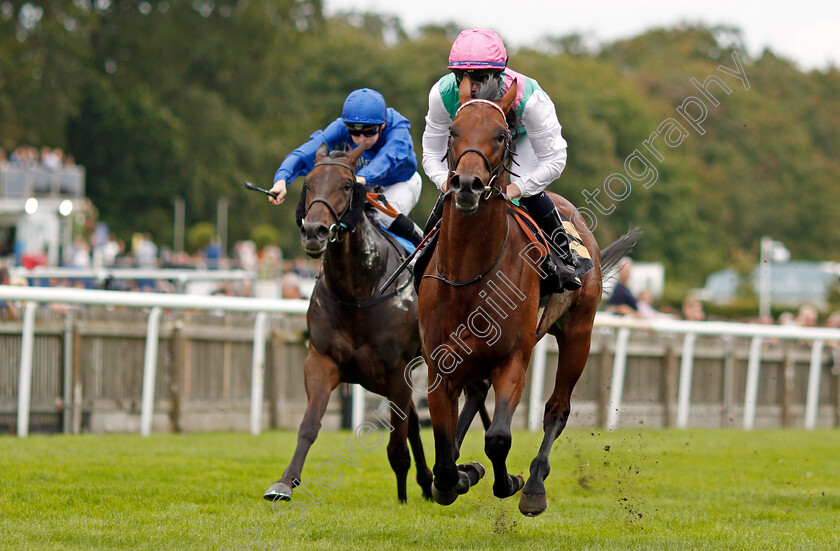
{"x": 366, "y": 131}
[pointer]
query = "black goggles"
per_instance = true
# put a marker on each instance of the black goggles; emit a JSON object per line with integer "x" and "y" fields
{"x": 367, "y": 131}
{"x": 477, "y": 76}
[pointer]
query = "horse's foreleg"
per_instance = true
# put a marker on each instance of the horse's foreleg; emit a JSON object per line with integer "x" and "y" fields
{"x": 424, "y": 474}
{"x": 507, "y": 384}
{"x": 476, "y": 395}
{"x": 449, "y": 479}
{"x": 320, "y": 378}
{"x": 574, "y": 351}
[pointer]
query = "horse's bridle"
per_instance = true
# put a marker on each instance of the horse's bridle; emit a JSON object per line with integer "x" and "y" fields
{"x": 504, "y": 163}
{"x": 336, "y": 228}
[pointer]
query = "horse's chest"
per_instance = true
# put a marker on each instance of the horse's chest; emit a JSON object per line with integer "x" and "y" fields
{"x": 358, "y": 348}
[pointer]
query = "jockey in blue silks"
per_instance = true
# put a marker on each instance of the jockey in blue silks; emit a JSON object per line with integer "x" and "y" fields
{"x": 388, "y": 161}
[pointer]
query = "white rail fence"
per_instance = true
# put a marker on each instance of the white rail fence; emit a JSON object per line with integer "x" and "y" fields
{"x": 178, "y": 277}
{"x": 156, "y": 302}
{"x": 691, "y": 329}
{"x": 624, "y": 326}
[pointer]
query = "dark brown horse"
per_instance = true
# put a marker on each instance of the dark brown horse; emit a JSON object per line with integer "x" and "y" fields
{"x": 357, "y": 334}
{"x": 479, "y": 309}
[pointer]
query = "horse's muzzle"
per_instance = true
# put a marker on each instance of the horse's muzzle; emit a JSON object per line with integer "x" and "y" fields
{"x": 313, "y": 237}
{"x": 467, "y": 190}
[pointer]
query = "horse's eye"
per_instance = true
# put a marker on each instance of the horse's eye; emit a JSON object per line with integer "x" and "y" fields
{"x": 348, "y": 184}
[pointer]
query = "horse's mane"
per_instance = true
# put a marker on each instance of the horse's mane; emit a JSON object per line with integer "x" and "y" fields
{"x": 512, "y": 118}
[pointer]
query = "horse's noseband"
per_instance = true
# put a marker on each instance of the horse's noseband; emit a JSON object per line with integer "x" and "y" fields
{"x": 336, "y": 228}
{"x": 495, "y": 172}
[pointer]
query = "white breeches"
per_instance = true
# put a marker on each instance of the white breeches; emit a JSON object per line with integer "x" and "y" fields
{"x": 402, "y": 196}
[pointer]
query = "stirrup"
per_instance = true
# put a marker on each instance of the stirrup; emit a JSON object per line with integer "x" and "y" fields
{"x": 567, "y": 279}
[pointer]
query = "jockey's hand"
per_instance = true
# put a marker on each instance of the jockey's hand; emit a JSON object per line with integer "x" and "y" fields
{"x": 513, "y": 191}
{"x": 279, "y": 188}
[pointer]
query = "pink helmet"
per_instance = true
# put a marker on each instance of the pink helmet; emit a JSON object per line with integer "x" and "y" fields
{"x": 478, "y": 49}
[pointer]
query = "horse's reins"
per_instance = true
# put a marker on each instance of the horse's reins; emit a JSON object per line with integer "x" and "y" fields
{"x": 479, "y": 276}
{"x": 489, "y": 189}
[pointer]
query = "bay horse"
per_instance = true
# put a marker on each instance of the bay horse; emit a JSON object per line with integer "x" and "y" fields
{"x": 357, "y": 333}
{"x": 479, "y": 303}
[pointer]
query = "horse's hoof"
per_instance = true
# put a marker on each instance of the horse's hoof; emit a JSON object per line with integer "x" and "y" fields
{"x": 473, "y": 467}
{"x": 532, "y": 505}
{"x": 444, "y": 498}
{"x": 516, "y": 483}
{"x": 469, "y": 474}
{"x": 278, "y": 490}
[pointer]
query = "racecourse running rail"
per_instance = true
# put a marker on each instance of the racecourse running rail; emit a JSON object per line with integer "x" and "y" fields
{"x": 817, "y": 336}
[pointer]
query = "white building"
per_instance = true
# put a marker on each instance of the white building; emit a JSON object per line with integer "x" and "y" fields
{"x": 35, "y": 204}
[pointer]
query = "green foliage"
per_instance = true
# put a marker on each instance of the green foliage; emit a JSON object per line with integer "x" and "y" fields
{"x": 265, "y": 234}
{"x": 200, "y": 235}
{"x": 189, "y": 99}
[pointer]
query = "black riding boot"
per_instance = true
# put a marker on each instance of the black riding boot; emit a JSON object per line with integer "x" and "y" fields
{"x": 402, "y": 226}
{"x": 562, "y": 276}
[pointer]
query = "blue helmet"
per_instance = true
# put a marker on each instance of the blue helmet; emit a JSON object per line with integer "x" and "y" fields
{"x": 364, "y": 107}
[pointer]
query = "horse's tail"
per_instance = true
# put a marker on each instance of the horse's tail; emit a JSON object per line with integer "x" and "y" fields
{"x": 617, "y": 250}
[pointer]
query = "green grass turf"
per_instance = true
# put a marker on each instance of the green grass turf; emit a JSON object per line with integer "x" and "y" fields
{"x": 628, "y": 489}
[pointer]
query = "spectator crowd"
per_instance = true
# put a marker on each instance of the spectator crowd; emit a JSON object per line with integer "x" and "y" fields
{"x": 27, "y": 156}
{"x": 624, "y": 302}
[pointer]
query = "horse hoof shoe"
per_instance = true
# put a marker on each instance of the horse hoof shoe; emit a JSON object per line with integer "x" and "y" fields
{"x": 473, "y": 466}
{"x": 532, "y": 505}
{"x": 520, "y": 482}
{"x": 278, "y": 490}
{"x": 444, "y": 498}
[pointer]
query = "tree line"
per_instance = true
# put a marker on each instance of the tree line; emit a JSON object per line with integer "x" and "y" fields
{"x": 159, "y": 99}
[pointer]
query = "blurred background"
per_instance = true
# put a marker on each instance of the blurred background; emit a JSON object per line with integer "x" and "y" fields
{"x": 133, "y": 124}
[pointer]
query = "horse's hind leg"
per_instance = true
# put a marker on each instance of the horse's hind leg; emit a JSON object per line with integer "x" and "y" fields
{"x": 573, "y": 353}
{"x": 476, "y": 395}
{"x": 320, "y": 378}
{"x": 424, "y": 474}
{"x": 507, "y": 384}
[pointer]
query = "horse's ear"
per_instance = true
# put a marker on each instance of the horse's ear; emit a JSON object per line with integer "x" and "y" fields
{"x": 465, "y": 90}
{"x": 323, "y": 151}
{"x": 507, "y": 99}
{"x": 356, "y": 154}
